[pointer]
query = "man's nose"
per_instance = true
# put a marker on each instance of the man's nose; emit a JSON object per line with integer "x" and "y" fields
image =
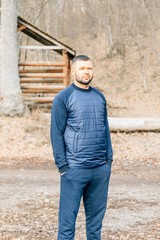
{"x": 86, "y": 71}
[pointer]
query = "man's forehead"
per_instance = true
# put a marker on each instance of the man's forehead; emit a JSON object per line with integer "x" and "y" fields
{"x": 84, "y": 63}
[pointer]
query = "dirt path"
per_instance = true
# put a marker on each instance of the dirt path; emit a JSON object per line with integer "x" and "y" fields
{"x": 29, "y": 205}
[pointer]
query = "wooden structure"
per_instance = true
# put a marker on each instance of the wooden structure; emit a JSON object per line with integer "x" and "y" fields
{"x": 40, "y": 81}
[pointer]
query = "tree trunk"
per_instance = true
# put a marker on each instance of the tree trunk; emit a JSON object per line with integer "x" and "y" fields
{"x": 0, "y": 53}
{"x": 11, "y": 101}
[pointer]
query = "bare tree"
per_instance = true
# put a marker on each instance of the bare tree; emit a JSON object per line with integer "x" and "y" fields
{"x": 104, "y": 29}
{"x": 0, "y": 54}
{"x": 11, "y": 101}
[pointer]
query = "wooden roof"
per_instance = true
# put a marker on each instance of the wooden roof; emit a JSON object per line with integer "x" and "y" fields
{"x": 43, "y": 37}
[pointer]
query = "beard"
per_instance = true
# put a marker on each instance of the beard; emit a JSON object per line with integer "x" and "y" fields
{"x": 83, "y": 80}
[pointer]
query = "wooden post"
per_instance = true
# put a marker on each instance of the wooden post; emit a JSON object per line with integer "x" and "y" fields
{"x": 66, "y": 69}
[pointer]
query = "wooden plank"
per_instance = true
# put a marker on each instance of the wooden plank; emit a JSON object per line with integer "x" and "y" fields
{"x": 41, "y": 89}
{"x": 31, "y": 90}
{"x": 38, "y": 64}
{"x": 40, "y": 80}
{"x": 58, "y": 70}
{"x": 42, "y": 75}
{"x": 44, "y": 86}
{"x": 39, "y": 99}
{"x": 42, "y": 47}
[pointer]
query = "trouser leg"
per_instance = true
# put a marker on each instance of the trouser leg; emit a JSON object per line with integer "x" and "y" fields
{"x": 95, "y": 201}
{"x": 72, "y": 185}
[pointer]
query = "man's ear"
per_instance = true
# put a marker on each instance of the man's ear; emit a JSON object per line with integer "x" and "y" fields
{"x": 72, "y": 72}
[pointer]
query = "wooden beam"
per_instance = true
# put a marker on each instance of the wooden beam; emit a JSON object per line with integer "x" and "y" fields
{"x": 38, "y": 64}
{"x": 40, "y": 80}
{"x": 41, "y": 89}
{"x": 41, "y": 47}
{"x": 54, "y": 70}
{"x": 42, "y": 75}
{"x": 39, "y": 99}
{"x": 21, "y": 28}
{"x": 59, "y": 87}
{"x": 31, "y": 90}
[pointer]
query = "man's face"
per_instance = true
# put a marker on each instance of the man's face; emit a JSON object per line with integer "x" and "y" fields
{"x": 83, "y": 72}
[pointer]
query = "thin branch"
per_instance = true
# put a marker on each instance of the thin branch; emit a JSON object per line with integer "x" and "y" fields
{"x": 143, "y": 73}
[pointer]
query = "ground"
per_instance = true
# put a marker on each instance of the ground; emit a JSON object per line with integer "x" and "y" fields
{"x": 30, "y": 184}
{"x": 29, "y": 180}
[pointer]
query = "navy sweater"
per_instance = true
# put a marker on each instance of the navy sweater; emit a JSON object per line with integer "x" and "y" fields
{"x": 80, "y": 134}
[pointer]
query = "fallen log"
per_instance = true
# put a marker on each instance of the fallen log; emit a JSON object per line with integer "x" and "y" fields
{"x": 134, "y": 124}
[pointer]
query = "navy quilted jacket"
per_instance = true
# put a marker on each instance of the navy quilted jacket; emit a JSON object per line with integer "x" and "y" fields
{"x": 80, "y": 134}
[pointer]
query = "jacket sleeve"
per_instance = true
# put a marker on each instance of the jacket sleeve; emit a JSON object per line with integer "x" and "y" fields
{"x": 58, "y": 125}
{"x": 109, "y": 155}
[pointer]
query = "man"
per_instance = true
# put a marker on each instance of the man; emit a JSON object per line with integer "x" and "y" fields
{"x": 82, "y": 150}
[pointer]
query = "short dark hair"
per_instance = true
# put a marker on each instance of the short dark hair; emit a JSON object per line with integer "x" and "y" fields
{"x": 80, "y": 58}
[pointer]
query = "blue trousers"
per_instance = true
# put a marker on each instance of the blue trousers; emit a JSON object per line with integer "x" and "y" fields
{"x": 92, "y": 185}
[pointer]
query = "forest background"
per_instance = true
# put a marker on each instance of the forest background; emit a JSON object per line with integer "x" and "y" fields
{"x": 121, "y": 37}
